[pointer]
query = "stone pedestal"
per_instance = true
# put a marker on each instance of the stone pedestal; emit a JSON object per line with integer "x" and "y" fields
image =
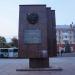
{"x": 39, "y": 62}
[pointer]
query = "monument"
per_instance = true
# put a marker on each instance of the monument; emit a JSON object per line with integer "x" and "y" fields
{"x": 37, "y": 34}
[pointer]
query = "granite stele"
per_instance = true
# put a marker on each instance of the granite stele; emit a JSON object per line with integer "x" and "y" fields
{"x": 37, "y": 34}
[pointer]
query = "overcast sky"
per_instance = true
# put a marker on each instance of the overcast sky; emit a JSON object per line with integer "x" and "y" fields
{"x": 9, "y": 13}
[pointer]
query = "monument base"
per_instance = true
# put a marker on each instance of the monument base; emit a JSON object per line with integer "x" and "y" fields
{"x": 41, "y": 69}
{"x": 39, "y": 62}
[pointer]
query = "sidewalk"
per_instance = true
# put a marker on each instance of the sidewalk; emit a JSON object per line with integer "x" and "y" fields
{"x": 67, "y": 54}
{"x": 9, "y": 66}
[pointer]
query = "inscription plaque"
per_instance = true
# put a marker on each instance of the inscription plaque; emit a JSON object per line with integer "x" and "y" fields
{"x": 32, "y": 36}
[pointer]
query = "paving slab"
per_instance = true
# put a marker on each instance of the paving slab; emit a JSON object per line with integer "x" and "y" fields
{"x": 9, "y": 66}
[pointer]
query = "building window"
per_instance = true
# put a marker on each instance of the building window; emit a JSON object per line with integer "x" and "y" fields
{"x": 59, "y": 37}
{"x": 70, "y": 42}
{"x": 65, "y": 36}
{"x": 70, "y": 37}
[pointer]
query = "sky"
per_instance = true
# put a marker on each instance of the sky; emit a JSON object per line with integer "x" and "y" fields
{"x": 9, "y": 14}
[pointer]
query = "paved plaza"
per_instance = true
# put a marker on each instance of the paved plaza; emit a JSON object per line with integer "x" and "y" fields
{"x": 9, "y": 66}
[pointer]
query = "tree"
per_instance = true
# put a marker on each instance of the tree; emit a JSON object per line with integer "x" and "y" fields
{"x": 2, "y": 42}
{"x": 14, "y": 42}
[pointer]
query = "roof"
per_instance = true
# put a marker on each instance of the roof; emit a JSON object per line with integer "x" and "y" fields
{"x": 62, "y": 26}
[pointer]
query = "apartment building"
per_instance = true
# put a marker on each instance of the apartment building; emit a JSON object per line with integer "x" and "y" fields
{"x": 65, "y": 33}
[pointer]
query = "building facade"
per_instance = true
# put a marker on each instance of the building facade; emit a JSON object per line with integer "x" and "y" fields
{"x": 65, "y": 33}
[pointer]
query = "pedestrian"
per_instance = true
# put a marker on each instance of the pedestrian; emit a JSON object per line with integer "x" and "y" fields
{"x": 62, "y": 51}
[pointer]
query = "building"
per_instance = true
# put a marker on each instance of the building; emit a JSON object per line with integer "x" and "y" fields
{"x": 65, "y": 33}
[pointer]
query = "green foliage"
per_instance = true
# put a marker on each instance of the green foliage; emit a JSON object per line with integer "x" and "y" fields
{"x": 4, "y": 44}
{"x": 14, "y": 42}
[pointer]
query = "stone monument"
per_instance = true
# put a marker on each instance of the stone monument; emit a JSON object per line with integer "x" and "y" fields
{"x": 37, "y": 34}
